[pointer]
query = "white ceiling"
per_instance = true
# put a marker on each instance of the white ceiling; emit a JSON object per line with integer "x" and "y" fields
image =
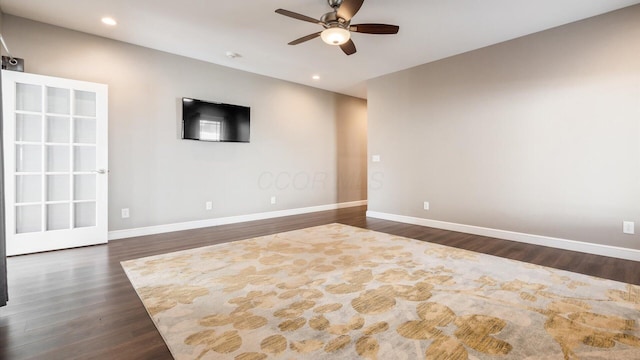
{"x": 206, "y": 29}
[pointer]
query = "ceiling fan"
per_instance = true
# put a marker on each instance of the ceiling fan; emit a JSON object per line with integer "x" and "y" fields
{"x": 337, "y": 25}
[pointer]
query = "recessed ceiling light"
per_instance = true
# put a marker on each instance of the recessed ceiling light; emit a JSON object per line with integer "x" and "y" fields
{"x": 109, "y": 21}
{"x": 316, "y": 77}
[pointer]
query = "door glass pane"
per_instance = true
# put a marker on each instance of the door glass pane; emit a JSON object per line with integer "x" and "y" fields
{"x": 85, "y": 103}
{"x": 58, "y": 100}
{"x": 84, "y": 187}
{"x": 28, "y": 219}
{"x": 84, "y": 158}
{"x": 85, "y": 214}
{"x": 28, "y": 158}
{"x": 58, "y": 130}
{"x": 28, "y": 188}
{"x": 28, "y": 97}
{"x": 58, "y": 158}
{"x": 28, "y": 127}
{"x": 58, "y": 216}
{"x": 84, "y": 131}
{"x": 58, "y": 187}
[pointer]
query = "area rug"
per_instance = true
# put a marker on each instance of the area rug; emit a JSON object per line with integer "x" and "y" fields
{"x": 340, "y": 292}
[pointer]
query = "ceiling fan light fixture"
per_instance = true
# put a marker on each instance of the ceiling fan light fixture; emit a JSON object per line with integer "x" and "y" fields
{"x": 335, "y": 36}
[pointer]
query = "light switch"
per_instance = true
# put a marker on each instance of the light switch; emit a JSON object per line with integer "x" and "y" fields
{"x": 375, "y": 158}
{"x": 628, "y": 227}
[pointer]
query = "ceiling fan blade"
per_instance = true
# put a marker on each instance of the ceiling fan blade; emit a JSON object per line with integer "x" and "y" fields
{"x": 349, "y": 8}
{"x": 349, "y": 47}
{"x": 305, "y": 38}
{"x": 375, "y": 28}
{"x": 297, "y": 16}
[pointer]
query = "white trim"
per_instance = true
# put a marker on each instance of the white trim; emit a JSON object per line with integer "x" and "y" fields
{"x": 573, "y": 245}
{"x": 158, "y": 229}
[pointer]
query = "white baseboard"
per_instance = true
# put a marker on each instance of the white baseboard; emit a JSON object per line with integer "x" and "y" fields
{"x": 159, "y": 229}
{"x": 584, "y": 247}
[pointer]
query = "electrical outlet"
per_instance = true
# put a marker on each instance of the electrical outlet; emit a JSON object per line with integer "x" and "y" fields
{"x": 208, "y": 205}
{"x": 426, "y": 205}
{"x": 273, "y": 200}
{"x": 628, "y": 227}
{"x": 125, "y": 213}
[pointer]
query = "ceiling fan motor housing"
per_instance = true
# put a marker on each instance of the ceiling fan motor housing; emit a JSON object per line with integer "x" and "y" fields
{"x": 331, "y": 19}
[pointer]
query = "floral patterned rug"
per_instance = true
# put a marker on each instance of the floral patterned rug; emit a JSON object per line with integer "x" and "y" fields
{"x": 340, "y": 292}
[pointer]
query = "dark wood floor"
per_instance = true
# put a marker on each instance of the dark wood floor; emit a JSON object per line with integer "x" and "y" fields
{"x": 79, "y": 304}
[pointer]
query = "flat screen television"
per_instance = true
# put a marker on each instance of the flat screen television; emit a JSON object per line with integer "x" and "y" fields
{"x": 210, "y": 121}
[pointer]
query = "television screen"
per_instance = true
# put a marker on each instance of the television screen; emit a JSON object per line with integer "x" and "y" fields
{"x": 209, "y": 121}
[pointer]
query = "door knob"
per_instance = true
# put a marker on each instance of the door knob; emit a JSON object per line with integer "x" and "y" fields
{"x": 101, "y": 171}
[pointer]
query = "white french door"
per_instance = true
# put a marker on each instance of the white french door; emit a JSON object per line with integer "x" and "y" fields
{"x": 55, "y": 162}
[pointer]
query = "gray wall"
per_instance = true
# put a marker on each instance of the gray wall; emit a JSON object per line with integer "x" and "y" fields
{"x": 538, "y": 135}
{"x": 293, "y": 153}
